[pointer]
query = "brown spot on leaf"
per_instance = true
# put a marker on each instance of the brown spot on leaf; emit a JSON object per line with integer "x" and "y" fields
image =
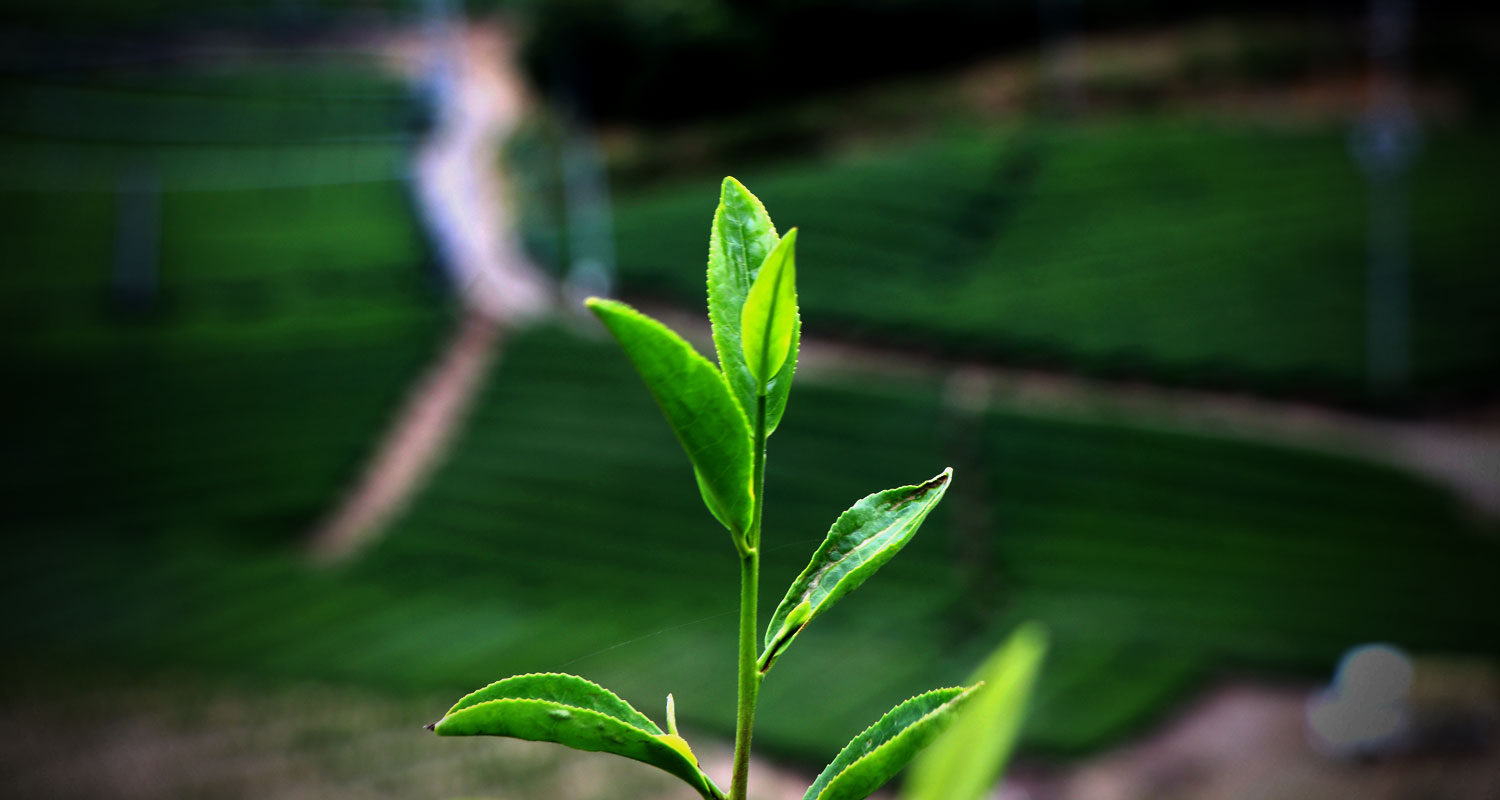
{"x": 911, "y": 495}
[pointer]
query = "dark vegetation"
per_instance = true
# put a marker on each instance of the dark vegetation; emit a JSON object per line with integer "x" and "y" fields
{"x": 661, "y": 63}
{"x": 279, "y": 324}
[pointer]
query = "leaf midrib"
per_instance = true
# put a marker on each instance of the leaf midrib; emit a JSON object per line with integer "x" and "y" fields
{"x": 545, "y": 702}
{"x": 817, "y": 579}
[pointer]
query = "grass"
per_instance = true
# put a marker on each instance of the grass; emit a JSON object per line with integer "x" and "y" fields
{"x": 1162, "y": 248}
{"x": 559, "y": 536}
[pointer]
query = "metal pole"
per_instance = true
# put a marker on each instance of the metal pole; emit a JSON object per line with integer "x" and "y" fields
{"x": 135, "y": 280}
{"x": 1384, "y": 145}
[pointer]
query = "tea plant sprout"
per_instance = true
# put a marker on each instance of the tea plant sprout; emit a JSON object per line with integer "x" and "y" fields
{"x": 723, "y": 416}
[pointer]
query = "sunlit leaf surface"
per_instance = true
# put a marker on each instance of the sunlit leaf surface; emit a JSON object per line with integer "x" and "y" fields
{"x": 580, "y": 714}
{"x": 698, "y": 406}
{"x": 861, "y": 540}
{"x": 739, "y": 241}
{"x": 877, "y": 754}
{"x": 769, "y": 317}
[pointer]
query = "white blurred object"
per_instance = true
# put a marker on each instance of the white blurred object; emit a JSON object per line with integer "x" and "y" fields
{"x": 1366, "y": 711}
{"x": 478, "y": 101}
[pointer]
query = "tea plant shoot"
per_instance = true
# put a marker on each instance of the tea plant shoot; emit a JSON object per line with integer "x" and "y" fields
{"x": 724, "y": 416}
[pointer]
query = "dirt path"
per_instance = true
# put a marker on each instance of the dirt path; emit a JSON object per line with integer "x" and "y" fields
{"x": 426, "y": 424}
{"x": 478, "y": 99}
{"x": 1461, "y": 455}
{"x": 1248, "y": 742}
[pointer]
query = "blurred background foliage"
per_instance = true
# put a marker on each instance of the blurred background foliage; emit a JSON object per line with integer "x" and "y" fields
{"x": 219, "y": 290}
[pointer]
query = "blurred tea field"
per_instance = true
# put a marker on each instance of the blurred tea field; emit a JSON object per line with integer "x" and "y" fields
{"x": 287, "y": 290}
{"x": 558, "y": 536}
{"x": 1180, "y": 249}
{"x": 168, "y": 452}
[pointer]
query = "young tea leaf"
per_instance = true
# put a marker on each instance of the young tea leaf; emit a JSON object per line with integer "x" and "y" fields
{"x": 571, "y": 711}
{"x": 698, "y": 406}
{"x": 739, "y": 241}
{"x": 569, "y": 690}
{"x": 875, "y": 756}
{"x": 770, "y": 313}
{"x": 967, "y": 760}
{"x": 861, "y": 540}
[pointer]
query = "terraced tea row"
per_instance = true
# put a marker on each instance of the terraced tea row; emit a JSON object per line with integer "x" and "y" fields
{"x": 1166, "y": 248}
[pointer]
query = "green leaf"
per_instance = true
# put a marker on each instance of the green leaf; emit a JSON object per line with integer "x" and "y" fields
{"x": 698, "y": 406}
{"x": 861, "y": 540}
{"x": 739, "y": 241}
{"x": 770, "y": 312}
{"x": 569, "y": 690}
{"x": 710, "y": 501}
{"x": 875, "y": 756}
{"x": 967, "y": 760}
{"x": 571, "y": 711}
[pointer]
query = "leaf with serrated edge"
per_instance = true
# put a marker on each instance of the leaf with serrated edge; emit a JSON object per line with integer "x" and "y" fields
{"x": 770, "y": 312}
{"x": 571, "y": 711}
{"x": 741, "y": 237}
{"x": 567, "y": 689}
{"x": 861, "y": 540}
{"x": 965, "y": 762}
{"x": 877, "y": 754}
{"x": 697, "y": 404}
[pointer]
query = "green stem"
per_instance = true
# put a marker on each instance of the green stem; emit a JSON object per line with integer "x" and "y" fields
{"x": 749, "y": 614}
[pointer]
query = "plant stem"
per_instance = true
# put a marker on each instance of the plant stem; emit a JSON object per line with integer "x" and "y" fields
{"x": 749, "y": 615}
